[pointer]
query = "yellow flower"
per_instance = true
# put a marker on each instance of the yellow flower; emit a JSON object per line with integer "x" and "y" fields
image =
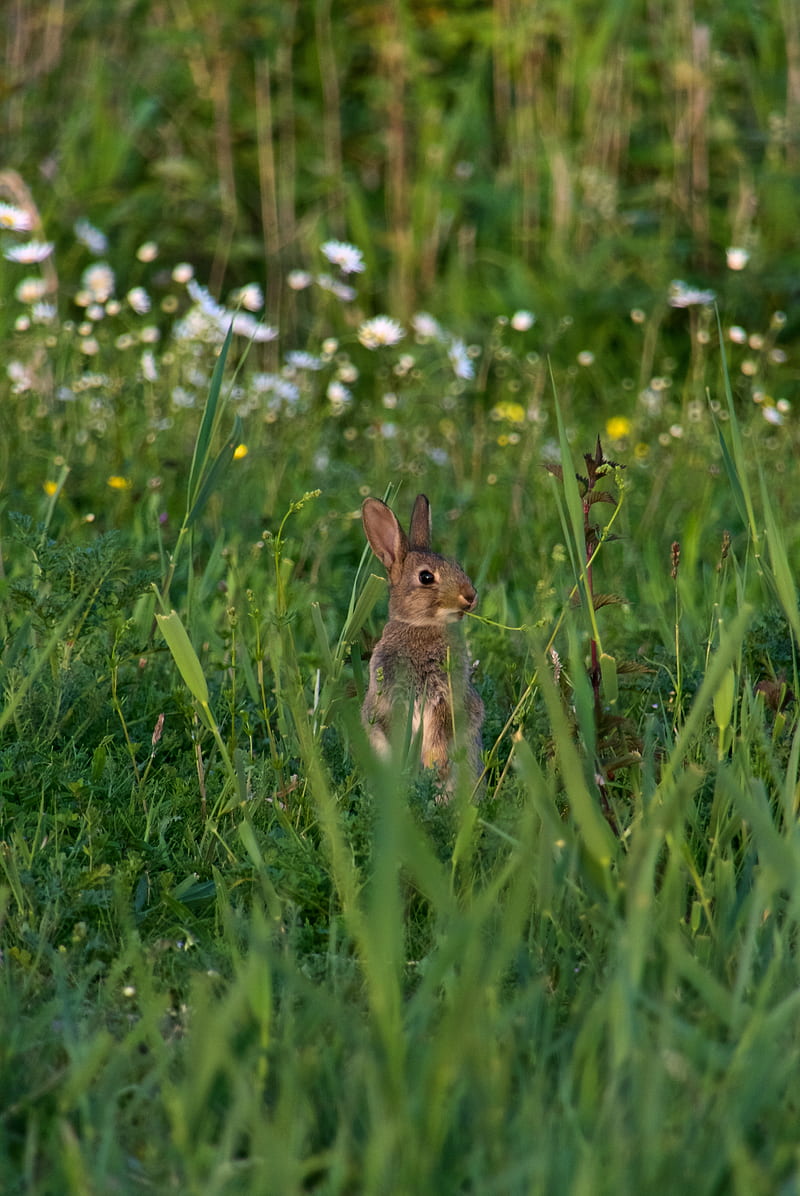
{"x": 513, "y": 412}
{"x": 118, "y": 483}
{"x": 618, "y": 427}
{"x": 50, "y": 488}
{"x": 240, "y": 451}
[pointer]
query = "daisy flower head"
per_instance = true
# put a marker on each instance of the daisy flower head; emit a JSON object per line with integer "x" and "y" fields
{"x": 31, "y": 290}
{"x": 522, "y": 320}
{"x": 298, "y": 280}
{"x": 98, "y": 282}
{"x": 736, "y": 258}
{"x": 348, "y": 258}
{"x": 380, "y": 331}
{"x": 681, "y": 295}
{"x": 14, "y": 219}
{"x": 29, "y": 253}
{"x": 90, "y": 237}
{"x": 460, "y": 360}
{"x": 139, "y": 300}
{"x": 340, "y": 289}
{"x": 427, "y": 327}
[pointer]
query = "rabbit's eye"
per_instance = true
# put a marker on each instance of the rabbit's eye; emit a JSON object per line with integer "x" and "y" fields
{"x": 426, "y": 578}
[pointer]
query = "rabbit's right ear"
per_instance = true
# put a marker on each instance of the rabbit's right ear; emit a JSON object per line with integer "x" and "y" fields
{"x": 419, "y": 532}
{"x": 386, "y": 537}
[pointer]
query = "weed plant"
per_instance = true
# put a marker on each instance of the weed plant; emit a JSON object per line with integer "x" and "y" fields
{"x": 239, "y": 953}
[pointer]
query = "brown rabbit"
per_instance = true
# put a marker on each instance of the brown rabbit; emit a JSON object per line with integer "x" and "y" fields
{"x": 421, "y": 657}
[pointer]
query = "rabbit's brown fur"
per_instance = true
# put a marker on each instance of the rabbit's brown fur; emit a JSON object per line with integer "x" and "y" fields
{"x": 421, "y": 657}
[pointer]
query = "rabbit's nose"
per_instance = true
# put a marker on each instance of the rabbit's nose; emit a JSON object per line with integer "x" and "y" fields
{"x": 468, "y": 599}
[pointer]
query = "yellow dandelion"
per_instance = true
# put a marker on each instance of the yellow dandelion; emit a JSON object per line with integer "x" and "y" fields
{"x": 117, "y": 482}
{"x": 618, "y": 427}
{"x": 240, "y": 451}
{"x": 513, "y": 412}
{"x": 50, "y": 488}
{"x": 641, "y": 451}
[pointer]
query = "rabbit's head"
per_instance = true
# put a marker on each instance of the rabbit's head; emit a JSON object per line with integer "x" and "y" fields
{"x": 425, "y": 588}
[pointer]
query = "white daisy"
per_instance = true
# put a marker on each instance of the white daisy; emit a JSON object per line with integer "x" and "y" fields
{"x": 379, "y": 331}
{"x": 31, "y": 290}
{"x": 298, "y": 280}
{"x": 427, "y": 327}
{"x": 349, "y": 259}
{"x": 95, "y": 241}
{"x": 246, "y": 325}
{"x": 97, "y": 281}
{"x": 460, "y": 360}
{"x": 340, "y": 289}
{"x": 736, "y": 258}
{"x": 522, "y": 320}
{"x": 139, "y": 300}
{"x": 681, "y": 295}
{"x": 29, "y": 253}
{"x": 14, "y": 219}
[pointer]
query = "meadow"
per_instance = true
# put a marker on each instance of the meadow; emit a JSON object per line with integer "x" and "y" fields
{"x": 540, "y": 263}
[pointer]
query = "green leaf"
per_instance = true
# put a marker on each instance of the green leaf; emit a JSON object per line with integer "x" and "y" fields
{"x": 184, "y": 655}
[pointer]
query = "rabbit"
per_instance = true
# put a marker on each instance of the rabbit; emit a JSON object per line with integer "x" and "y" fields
{"x": 421, "y": 657}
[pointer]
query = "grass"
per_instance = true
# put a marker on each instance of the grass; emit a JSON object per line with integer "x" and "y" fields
{"x": 239, "y": 953}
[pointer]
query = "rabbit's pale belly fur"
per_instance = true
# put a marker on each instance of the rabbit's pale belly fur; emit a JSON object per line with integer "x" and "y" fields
{"x": 411, "y": 664}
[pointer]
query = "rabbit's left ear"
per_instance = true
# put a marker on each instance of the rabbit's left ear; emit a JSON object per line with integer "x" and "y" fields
{"x": 419, "y": 533}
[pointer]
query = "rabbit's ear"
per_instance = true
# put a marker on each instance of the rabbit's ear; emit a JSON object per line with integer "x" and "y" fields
{"x": 419, "y": 533}
{"x": 386, "y": 537}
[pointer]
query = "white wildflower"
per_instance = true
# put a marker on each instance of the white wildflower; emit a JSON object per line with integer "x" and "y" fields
{"x": 772, "y": 415}
{"x": 681, "y": 295}
{"x": 737, "y": 334}
{"x": 29, "y": 253}
{"x": 338, "y": 393}
{"x": 182, "y": 397}
{"x": 736, "y": 258}
{"x": 380, "y": 331}
{"x": 298, "y": 280}
{"x": 246, "y": 325}
{"x": 139, "y": 300}
{"x": 460, "y": 360}
{"x": 43, "y": 313}
{"x": 250, "y": 296}
{"x": 339, "y": 253}
{"x": 585, "y": 357}
{"x": 89, "y": 236}
{"x": 98, "y": 282}
{"x": 182, "y": 273}
{"x": 148, "y": 252}
{"x": 334, "y": 287}
{"x": 298, "y": 359}
{"x": 149, "y": 366}
{"x": 14, "y": 219}
{"x": 522, "y": 320}
{"x": 31, "y": 290}
{"x": 426, "y": 327}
